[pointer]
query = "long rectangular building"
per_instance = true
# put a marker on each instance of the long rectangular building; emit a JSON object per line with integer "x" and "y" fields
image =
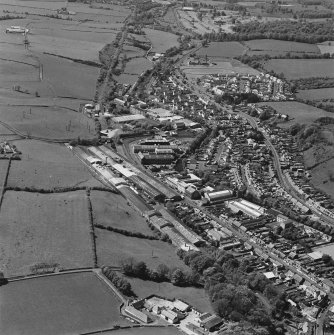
{"x": 152, "y": 148}
{"x": 147, "y": 188}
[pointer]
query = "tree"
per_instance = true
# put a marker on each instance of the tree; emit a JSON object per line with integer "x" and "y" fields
{"x": 177, "y": 277}
{"x": 140, "y": 270}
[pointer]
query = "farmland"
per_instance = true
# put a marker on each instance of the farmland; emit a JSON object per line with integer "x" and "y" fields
{"x": 301, "y": 68}
{"x": 298, "y": 112}
{"x": 70, "y": 303}
{"x": 47, "y": 165}
{"x": 51, "y": 228}
{"x": 277, "y": 48}
{"x": 112, "y": 248}
{"x": 218, "y": 50}
{"x": 327, "y": 46}
{"x": 111, "y": 209}
{"x": 194, "y": 296}
{"x": 161, "y": 40}
{"x": 316, "y": 94}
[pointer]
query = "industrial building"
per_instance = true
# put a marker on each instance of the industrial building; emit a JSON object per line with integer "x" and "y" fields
{"x": 248, "y": 208}
{"x": 154, "y": 159}
{"x": 152, "y": 148}
{"x": 219, "y": 195}
{"x": 155, "y": 141}
{"x": 146, "y": 188}
{"x": 127, "y": 118}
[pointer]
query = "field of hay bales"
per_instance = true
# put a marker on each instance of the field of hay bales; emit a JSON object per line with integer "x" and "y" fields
{"x": 50, "y": 228}
{"x": 74, "y": 303}
{"x": 46, "y": 166}
{"x": 161, "y": 40}
{"x": 111, "y": 209}
{"x": 298, "y": 112}
{"x": 277, "y": 47}
{"x": 112, "y": 248}
{"x": 218, "y": 50}
{"x": 301, "y": 68}
{"x": 194, "y": 296}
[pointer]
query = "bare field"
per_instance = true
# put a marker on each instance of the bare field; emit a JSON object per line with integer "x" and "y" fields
{"x": 301, "y": 68}
{"x": 111, "y": 209}
{"x": 47, "y": 122}
{"x": 194, "y": 296}
{"x": 227, "y": 67}
{"x": 47, "y": 228}
{"x": 47, "y": 165}
{"x": 62, "y": 304}
{"x": 222, "y": 50}
{"x": 112, "y": 248}
{"x": 298, "y": 112}
{"x": 161, "y": 40}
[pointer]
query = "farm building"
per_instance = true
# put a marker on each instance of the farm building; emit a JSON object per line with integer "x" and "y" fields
{"x": 153, "y": 159}
{"x": 219, "y": 195}
{"x": 170, "y": 316}
{"x": 210, "y": 322}
{"x": 127, "y": 118}
{"x": 137, "y": 315}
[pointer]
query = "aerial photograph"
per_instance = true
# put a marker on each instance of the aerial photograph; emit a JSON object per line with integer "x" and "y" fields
{"x": 167, "y": 167}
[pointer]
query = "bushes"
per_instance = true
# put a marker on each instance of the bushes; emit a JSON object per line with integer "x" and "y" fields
{"x": 126, "y": 232}
{"x": 120, "y": 283}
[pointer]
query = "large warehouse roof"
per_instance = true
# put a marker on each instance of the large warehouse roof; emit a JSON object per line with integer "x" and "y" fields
{"x": 128, "y": 118}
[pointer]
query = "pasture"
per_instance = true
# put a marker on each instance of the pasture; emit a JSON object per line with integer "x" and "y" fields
{"x": 221, "y": 67}
{"x": 47, "y": 122}
{"x": 62, "y": 304}
{"x": 112, "y": 248}
{"x": 298, "y": 112}
{"x": 222, "y": 50}
{"x": 48, "y": 165}
{"x": 194, "y": 296}
{"x": 327, "y": 46}
{"x": 316, "y": 94}
{"x": 111, "y": 209}
{"x": 50, "y": 228}
{"x": 137, "y": 66}
{"x": 161, "y": 40}
{"x": 301, "y": 68}
{"x": 277, "y": 47}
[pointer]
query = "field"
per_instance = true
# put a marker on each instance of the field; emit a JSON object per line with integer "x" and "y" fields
{"x": 277, "y": 48}
{"x": 161, "y": 40}
{"x": 111, "y": 209}
{"x": 298, "y": 112}
{"x": 222, "y": 67}
{"x": 301, "y": 68}
{"x": 47, "y": 165}
{"x": 51, "y": 228}
{"x": 112, "y": 248}
{"x": 61, "y": 304}
{"x": 316, "y": 94}
{"x": 222, "y": 50}
{"x": 327, "y": 46}
{"x": 137, "y": 66}
{"x": 194, "y": 296}
{"x": 145, "y": 331}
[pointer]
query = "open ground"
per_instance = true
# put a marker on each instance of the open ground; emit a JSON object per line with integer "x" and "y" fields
{"x": 221, "y": 50}
{"x": 61, "y": 304}
{"x": 50, "y": 228}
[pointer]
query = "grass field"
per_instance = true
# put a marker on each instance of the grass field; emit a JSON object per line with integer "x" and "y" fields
{"x": 137, "y": 66}
{"x": 222, "y": 50}
{"x": 222, "y": 67}
{"x": 327, "y": 46}
{"x": 316, "y": 94}
{"x": 194, "y": 296}
{"x": 276, "y": 47}
{"x": 113, "y": 248}
{"x": 48, "y": 228}
{"x": 111, "y": 209}
{"x": 57, "y": 305}
{"x": 298, "y": 112}
{"x": 161, "y": 40}
{"x": 301, "y": 68}
{"x": 47, "y": 165}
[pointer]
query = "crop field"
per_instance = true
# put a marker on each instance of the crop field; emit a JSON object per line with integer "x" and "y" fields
{"x": 161, "y": 40}
{"x": 277, "y": 47}
{"x": 298, "y": 112}
{"x": 301, "y": 68}
{"x": 51, "y": 228}
{"x": 222, "y": 67}
{"x": 327, "y": 46}
{"x": 194, "y": 296}
{"x": 316, "y": 94}
{"x": 222, "y": 50}
{"x": 47, "y": 122}
{"x": 71, "y": 303}
{"x": 113, "y": 248}
{"x": 111, "y": 209}
{"x": 47, "y": 165}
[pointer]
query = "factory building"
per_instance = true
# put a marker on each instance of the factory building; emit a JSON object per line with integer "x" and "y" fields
{"x": 248, "y": 208}
{"x": 219, "y": 195}
{"x": 154, "y": 159}
{"x": 152, "y": 148}
{"x": 155, "y": 141}
{"x": 128, "y": 118}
